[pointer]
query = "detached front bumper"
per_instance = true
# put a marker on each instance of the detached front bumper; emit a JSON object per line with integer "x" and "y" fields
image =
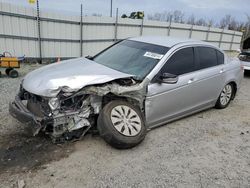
{"x": 19, "y": 111}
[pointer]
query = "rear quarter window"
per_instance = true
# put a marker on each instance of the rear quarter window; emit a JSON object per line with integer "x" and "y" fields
{"x": 207, "y": 57}
{"x": 220, "y": 57}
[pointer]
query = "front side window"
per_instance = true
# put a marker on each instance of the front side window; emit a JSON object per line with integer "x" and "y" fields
{"x": 132, "y": 57}
{"x": 181, "y": 62}
{"x": 207, "y": 57}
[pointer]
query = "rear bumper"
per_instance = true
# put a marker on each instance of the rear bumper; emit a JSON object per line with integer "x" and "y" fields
{"x": 19, "y": 111}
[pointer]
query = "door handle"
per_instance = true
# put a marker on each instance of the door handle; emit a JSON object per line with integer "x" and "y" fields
{"x": 190, "y": 80}
{"x": 222, "y": 70}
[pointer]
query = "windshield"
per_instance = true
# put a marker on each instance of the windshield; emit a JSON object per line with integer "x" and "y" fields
{"x": 132, "y": 57}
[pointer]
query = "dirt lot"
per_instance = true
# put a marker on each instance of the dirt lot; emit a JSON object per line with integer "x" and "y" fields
{"x": 209, "y": 149}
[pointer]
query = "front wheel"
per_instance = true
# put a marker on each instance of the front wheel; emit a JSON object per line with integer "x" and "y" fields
{"x": 225, "y": 96}
{"x": 121, "y": 124}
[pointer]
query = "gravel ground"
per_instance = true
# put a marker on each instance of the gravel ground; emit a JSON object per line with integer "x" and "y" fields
{"x": 209, "y": 149}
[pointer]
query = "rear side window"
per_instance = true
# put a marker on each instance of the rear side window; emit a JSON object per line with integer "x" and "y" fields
{"x": 207, "y": 57}
{"x": 180, "y": 62}
{"x": 220, "y": 57}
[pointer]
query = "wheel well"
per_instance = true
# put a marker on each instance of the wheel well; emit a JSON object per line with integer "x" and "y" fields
{"x": 110, "y": 97}
{"x": 234, "y": 87}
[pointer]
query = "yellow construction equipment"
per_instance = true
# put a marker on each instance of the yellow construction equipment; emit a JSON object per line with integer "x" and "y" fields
{"x": 134, "y": 15}
{"x": 10, "y": 63}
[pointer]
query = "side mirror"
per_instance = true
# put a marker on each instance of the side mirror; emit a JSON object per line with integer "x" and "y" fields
{"x": 168, "y": 78}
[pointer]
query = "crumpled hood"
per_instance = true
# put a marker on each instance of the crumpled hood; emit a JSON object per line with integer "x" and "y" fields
{"x": 69, "y": 76}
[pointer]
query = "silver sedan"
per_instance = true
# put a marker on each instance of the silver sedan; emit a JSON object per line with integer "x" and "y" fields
{"x": 131, "y": 87}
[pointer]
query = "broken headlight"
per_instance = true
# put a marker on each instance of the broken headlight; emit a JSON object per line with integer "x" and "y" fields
{"x": 54, "y": 103}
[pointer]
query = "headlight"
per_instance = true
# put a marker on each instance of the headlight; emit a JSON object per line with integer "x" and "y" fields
{"x": 54, "y": 103}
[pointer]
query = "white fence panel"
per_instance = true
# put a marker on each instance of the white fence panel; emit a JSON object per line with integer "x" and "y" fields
{"x": 61, "y": 34}
{"x": 154, "y": 31}
{"x": 94, "y": 47}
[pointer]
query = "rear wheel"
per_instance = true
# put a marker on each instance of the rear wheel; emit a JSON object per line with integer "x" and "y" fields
{"x": 225, "y": 96}
{"x": 7, "y": 71}
{"x": 13, "y": 74}
{"x": 121, "y": 125}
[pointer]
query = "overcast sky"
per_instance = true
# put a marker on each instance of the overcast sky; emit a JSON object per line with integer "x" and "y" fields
{"x": 200, "y": 8}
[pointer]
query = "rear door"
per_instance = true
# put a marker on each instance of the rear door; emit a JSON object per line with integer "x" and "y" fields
{"x": 210, "y": 77}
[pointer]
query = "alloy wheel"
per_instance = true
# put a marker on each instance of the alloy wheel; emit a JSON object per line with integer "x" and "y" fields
{"x": 226, "y": 95}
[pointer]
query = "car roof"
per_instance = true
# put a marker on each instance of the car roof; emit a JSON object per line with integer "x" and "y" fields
{"x": 168, "y": 41}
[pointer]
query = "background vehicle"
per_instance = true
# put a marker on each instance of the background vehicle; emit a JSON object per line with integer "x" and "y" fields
{"x": 134, "y": 15}
{"x": 244, "y": 56}
{"x": 129, "y": 88}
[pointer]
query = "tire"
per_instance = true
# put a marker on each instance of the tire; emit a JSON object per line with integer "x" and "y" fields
{"x": 7, "y": 71}
{"x": 225, "y": 97}
{"x": 13, "y": 74}
{"x": 121, "y": 124}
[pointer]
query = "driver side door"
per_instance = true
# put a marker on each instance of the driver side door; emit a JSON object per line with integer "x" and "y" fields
{"x": 166, "y": 101}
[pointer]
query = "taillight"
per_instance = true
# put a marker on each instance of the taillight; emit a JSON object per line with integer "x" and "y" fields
{"x": 242, "y": 67}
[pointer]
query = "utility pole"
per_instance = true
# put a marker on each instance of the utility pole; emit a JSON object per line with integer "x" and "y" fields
{"x": 81, "y": 33}
{"x": 116, "y": 24}
{"x": 111, "y": 7}
{"x": 39, "y": 31}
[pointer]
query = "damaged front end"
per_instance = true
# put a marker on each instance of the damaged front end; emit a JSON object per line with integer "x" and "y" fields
{"x": 71, "y": 114}
{"x": 63, "y": 118}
